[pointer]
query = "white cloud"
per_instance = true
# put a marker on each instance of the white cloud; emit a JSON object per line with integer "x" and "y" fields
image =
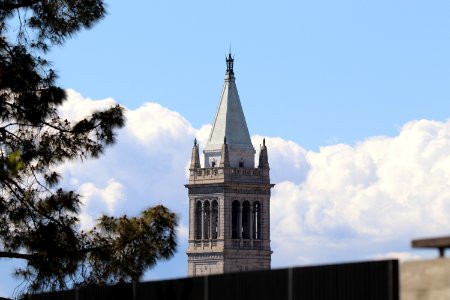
{"x": 182, "y": 232}
{"x": 97, "y": 201}
{"x": 341, "y": 203}
{"x": 78, "y": 107}
{"x": 147, "y": 161}
{"x": 374, "y": 196}
{"x": 156, "y": 126}
{"x": 402, "y": 256}
{"x": 144, "y": 168}
{"x": 202, "y": 134}
{"x": 287, "y": 159}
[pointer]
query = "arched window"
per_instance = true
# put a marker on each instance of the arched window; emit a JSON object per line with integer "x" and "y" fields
{"x": 214, "y": 220}
{"x": 206, "y": 219}
{"x": 198, "y": 220}
{"x": 235, "y": 216}
{"x": 257, "y": 233}
{"x": 246, "y": 211}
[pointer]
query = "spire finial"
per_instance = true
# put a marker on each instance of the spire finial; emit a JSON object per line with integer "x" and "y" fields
{"x": 230, "y": 61}
{"x": 195, "y": 141}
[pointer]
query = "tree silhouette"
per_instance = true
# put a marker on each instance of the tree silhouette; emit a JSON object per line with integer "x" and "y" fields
{"x": 38, "y": 221}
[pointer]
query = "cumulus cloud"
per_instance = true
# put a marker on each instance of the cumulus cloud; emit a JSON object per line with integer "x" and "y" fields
{"x": 145, "y": 163}
{"x": 157, "y": 127}
{"x": 364, "y": 199}
{"x": 287, "y": 159}
{"x": 78, "y": 107}
{"x": 343, "y": 202}
{"x": 144, "y": 168}
{"x": 97, "y": 201}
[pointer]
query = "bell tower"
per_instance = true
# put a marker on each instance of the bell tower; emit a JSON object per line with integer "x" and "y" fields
{"x": 229, "y": 198}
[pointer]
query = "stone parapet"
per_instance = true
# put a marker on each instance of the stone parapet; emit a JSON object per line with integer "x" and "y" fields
{"x": 229, "y": 175}
{"x": 205, "y": 245}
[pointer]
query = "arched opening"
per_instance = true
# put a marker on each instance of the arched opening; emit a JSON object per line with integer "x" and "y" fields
{"x": 198, "y": 220}
{"x": 215, "y": 220}
{"x": 257, "y": 233}
{"x": 235, "y": 227}
{"x": 206, "y": 220}
{"x": 246, "y": 215}
{"x": 241, "y": 163}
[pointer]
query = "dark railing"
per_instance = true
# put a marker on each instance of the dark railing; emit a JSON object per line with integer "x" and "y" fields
{"x": 375, "y": 280}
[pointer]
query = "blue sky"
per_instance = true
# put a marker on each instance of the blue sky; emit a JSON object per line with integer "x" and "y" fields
{"x": 340, "y": 88}
{"x": 311, "y": 71}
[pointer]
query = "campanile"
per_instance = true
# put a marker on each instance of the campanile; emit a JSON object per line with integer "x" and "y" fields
{"x": 229, "y": 198}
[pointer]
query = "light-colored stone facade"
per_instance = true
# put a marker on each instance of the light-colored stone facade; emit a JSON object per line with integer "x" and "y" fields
{"x": 229, "y": 200}
{"x": 225, "y": 253}
{"x": 425, "y": 279}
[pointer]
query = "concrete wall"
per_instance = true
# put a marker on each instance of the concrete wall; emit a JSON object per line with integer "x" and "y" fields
{"x": 425, "y": 280}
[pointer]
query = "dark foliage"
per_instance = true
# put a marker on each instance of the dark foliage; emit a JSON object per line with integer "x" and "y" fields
{"x": 38, "y": 221}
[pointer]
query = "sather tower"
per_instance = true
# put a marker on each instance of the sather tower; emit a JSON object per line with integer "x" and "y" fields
{"x": 229, "y": 198}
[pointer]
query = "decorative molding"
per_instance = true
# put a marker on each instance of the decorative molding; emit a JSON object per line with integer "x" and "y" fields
{"x": 203, "y": 256}
{"x": 222, "y": 190}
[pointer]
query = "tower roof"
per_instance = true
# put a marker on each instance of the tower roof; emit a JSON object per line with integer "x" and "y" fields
{"x": 230, "y": 121}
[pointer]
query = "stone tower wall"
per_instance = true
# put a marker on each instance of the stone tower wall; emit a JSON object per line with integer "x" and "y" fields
{"x": 227, "y": 254}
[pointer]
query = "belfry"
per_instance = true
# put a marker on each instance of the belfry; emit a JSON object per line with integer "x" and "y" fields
{"x": 229, "y": 198}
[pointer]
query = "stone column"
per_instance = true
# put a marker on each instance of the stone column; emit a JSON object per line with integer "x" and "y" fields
{"x": 240, "y": 222}
{"x": 211, "y": 216}
{"x": 218, "y": 219}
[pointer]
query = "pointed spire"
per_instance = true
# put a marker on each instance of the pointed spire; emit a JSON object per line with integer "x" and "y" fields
{"x": 225, "y": 160}
{"x": 195, "y": 158}
{"x": 229, "y": 120}
{"x": 263, "y": 157}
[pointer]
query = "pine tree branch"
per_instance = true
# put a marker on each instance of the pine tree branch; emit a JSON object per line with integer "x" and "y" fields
{"x": 25, "y": 256}
{"x": 20, "y": 4}
{"x": 4, "y": 254}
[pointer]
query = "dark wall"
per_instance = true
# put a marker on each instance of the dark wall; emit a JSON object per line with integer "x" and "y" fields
{"x": 374, "y": 280}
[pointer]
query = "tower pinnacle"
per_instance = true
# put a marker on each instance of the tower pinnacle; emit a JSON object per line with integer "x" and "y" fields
{"x": 230, "y": 61}
{"x": 195, "y": 159}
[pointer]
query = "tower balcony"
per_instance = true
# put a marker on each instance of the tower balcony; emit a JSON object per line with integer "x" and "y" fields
{"x": 228, "y": 175}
